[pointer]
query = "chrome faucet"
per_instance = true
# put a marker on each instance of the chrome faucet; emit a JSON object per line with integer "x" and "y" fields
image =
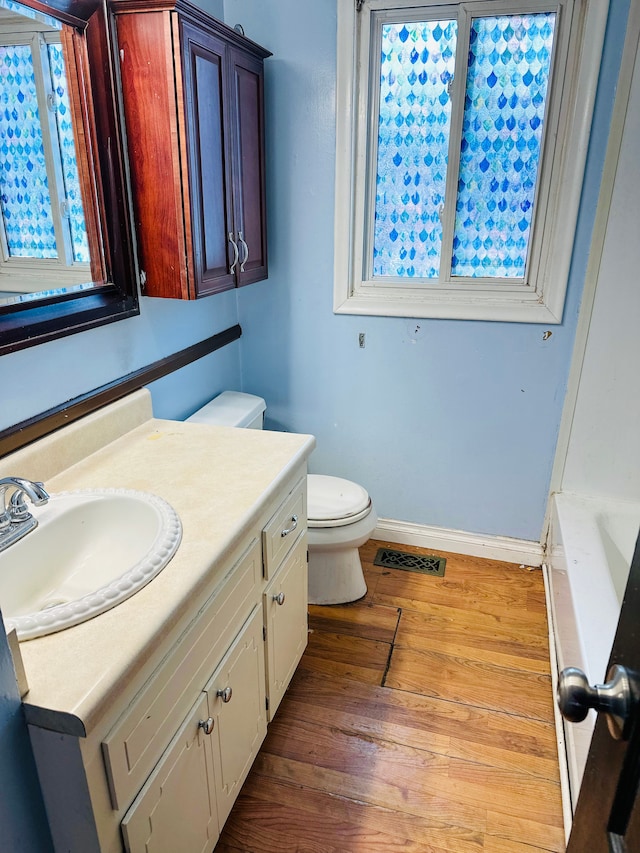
{"x": 15, "y": 519}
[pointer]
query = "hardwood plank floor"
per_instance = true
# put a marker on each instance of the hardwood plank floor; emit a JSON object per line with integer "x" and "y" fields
{"x": 420, "y": 720}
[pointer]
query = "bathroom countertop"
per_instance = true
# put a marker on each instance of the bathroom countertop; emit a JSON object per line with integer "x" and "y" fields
{"x": 219, "y": 480}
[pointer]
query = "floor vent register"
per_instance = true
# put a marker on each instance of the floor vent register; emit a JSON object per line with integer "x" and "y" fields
{"x": 430, "y": 564}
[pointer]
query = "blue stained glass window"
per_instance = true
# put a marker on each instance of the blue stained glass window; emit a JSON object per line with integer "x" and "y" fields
{"x": 505, "y": 99}
{"x": 507, "y": 78}
{"x": 68, "y": 154}
{"x": 24, "y": 187}
{"x": 417, "y": 63}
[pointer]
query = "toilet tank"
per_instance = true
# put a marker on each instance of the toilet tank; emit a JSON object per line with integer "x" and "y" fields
{"x": 232, "y": 408}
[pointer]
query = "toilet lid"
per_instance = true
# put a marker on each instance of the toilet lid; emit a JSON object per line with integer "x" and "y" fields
{"x": 332, "y": 500}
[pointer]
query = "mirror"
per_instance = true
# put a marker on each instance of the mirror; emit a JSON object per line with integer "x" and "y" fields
{"x": 66, "y": 247}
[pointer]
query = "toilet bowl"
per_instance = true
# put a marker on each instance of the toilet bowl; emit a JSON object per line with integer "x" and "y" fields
{"x": 340, "y": 519}
{"x": 340, "y": 514}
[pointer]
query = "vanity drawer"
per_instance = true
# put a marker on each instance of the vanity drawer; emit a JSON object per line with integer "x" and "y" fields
{"x": 134, "y": 745}
{"x": 284, "y": 528}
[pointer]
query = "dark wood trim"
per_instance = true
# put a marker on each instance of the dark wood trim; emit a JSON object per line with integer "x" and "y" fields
{"x": 40, "y": 425}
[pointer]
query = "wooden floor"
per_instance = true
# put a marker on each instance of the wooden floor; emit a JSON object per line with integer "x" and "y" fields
{"x": 420, "y": 719}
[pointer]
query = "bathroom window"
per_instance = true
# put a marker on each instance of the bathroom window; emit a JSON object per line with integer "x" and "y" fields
{"x": 461, "y": 139}
{"x": 42, "y": 227}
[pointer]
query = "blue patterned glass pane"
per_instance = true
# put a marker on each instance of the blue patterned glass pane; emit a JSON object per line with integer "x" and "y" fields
{"x": 506, "y": 94}
{"x": 68, "y": 154}
{"x": 24, "y": 189}
{"x": 417, "y": 63}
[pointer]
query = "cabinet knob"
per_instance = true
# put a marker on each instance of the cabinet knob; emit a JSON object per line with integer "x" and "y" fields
{"x": 206, "y": 725}
{"x": 225, "y": 694}
{"x": 279, "y": 598}
{"x": 288, "y": 530}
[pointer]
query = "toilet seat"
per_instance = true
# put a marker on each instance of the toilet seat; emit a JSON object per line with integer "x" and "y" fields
{"x": 335, "y": 502}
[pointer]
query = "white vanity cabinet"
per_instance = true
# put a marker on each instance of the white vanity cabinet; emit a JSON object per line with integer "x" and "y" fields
{"x": 285, "y": 617}
{"x": 236, "y": 701}
{"x": 176, "y": 809}
{"x": 163, "y": 766}
{"x": 284, "y": 599}
{"x": 189, "y": 794}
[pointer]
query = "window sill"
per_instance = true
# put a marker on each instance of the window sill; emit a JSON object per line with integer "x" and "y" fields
{"x": 450, "y": 306}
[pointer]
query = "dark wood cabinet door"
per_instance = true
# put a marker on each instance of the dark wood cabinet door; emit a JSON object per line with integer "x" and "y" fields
{"x": 247, "y": 125}
{"x": 152, "y": 125}
{"x": 209, "y": 173}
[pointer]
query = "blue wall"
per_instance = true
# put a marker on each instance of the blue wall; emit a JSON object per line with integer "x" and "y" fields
{"x": 455, "y": 425}
{"x": 36, "y": 379}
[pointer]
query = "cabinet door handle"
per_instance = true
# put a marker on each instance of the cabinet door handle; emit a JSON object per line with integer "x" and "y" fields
{"x": 225, "y": 694}
{"x": 236, "y": 254}
{"x": 242, "y": 242}
{"x": 279, "y": 598}
{"x": 207, "y": 725}
{"x": 288, "y": 530}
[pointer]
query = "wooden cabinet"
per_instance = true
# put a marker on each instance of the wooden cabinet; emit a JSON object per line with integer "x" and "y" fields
{"x": 163, "y": 767}
{"x": 193, "y": 102}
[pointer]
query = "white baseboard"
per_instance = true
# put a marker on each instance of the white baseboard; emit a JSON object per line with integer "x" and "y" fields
{"x": 460, "y": 542}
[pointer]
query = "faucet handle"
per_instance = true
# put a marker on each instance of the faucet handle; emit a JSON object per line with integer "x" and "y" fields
{"x": 16, "y": 510}
{"x": 17, "y": 505}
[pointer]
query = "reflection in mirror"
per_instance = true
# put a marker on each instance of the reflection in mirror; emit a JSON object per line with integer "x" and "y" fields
{"x": 43, "y": 233}
{"x": 66, "y": 247}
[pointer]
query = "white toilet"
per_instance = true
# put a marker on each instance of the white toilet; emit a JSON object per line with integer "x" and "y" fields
{"x": 341, "y": 516}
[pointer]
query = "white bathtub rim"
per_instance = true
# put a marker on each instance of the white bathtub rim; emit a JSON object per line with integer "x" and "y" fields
{"x": 584, "y": 607}
{"x": 577, "y": 549}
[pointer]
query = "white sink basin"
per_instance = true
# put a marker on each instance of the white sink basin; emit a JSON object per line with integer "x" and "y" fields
{"x": 92, "y": 549}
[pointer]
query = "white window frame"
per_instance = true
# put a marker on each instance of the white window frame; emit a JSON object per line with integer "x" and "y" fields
{"x": 25, "y": 275}
{"x": 539, "y": 298}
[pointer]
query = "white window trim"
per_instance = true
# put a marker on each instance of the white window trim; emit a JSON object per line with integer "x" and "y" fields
{"x": 542, "y": 301}
{"x": 24, "y": 275}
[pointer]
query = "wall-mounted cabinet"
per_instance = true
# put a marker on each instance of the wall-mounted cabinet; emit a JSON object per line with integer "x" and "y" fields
{"x": 194, "y": 111}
